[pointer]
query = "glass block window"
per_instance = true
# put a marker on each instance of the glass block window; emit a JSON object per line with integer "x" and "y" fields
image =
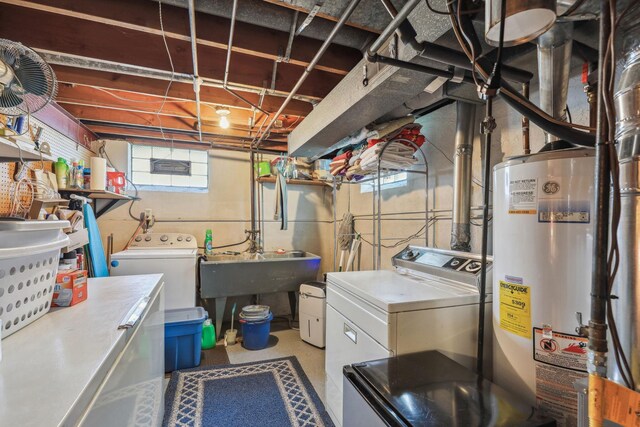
{"x": 389, "y": 181}
{"x": 145, "y": 176}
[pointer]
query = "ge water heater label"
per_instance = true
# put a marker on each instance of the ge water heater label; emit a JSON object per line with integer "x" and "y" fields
{"x": 522, "y": 196}
{"x": 515, "y": 308}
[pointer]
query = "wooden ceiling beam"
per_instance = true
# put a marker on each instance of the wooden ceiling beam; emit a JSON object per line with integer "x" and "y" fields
{"x": 212, "y": 31}
{"x": 151, "y": 120}
{"x": 89, "y": 39}
{"x": 322, "y": 15}
{"x": 84, "y": 96}
{"x": 145, "y": 136}
{"x": 142, "y": 85}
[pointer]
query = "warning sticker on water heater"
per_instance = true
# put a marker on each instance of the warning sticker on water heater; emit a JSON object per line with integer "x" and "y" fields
{"x": 515, "y": 308}
{"x": 563, "y": 350}
{"x": 561, "y": 360}
{"x": 522, "y": 196}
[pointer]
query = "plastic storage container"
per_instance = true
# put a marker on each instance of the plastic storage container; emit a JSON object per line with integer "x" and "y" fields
{"x": 183, "y": 337}
{"x": 29, "y": 254}
{"x": 255, "y": 333}
{"x": 313, "y": 309}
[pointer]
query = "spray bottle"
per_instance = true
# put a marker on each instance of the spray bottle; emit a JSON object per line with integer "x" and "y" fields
{"x": 208, "y": 243}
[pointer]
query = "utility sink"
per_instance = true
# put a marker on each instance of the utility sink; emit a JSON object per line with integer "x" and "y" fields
{"x": 230, "y": 275}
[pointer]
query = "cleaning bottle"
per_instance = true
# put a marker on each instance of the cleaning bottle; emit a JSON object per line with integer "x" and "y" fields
{"x": 208, "y": 243}
{"x": 208, "y": 335}
{"x": 62, "y": 169}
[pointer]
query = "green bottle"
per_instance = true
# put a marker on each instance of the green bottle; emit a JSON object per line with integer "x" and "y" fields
{"x": 208, "y": 243}
{"x": 208, "y": 335}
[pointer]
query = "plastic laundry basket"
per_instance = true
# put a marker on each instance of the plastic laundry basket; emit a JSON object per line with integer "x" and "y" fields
{"x": 255, "y": 333}
{"x": 29, "y": 256}
{"x": 183, "y": 337}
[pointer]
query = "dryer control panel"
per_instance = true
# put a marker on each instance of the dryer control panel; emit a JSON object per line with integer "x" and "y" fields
{"x": 455, "y": 265}
{"x": 164, "y": 241}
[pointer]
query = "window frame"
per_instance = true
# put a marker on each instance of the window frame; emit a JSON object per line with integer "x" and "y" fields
{"x": 167, "y": 188}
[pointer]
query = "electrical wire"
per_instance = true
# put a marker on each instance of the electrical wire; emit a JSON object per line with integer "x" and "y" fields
{"x": 173, "y": 71}
{"x": 404, "y": 240}
{"x": 475, "y": 180}
{"x": 440, "y": 12}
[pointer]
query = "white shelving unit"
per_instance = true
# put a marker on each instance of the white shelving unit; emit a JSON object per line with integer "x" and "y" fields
{"x": 14, "y": 148}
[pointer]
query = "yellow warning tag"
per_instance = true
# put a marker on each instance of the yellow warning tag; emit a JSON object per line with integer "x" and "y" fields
{"x": 515, "y": 308}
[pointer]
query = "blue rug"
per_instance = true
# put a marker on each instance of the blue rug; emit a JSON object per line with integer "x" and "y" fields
{"x": 269, "y": 393}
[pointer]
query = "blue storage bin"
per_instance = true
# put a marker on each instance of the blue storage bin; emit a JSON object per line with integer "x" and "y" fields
{"x": 255, "y": 334}
{"x": 183, "y": 337}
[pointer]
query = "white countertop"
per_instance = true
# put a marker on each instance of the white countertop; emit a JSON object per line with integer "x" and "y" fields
{"x": 51, "y": 369}
{"x": 394, "y": 292}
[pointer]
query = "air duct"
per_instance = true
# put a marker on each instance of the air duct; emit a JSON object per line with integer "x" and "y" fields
{"x": 554, "y": 61}
{"x": 461, "y": 224}
{"x": 626, "y": 308}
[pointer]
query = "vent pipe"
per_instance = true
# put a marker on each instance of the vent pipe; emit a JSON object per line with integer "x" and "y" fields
{"x": 554, "y": 61}
{"x": 461, "y": 224}
{"x": 626, "y": 308}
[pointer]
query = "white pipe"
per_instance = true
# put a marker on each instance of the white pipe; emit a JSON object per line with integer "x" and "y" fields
{"x": 194, "y": 56}
{"x": 343, "y": 19}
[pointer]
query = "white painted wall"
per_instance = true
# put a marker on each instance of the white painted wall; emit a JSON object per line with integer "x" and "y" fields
{"x": 225, "y": 209}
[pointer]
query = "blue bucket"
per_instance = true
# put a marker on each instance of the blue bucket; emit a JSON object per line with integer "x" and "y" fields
{"x": 255, "y": 333}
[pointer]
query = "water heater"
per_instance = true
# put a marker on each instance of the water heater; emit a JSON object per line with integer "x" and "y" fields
{"x": 543, "y": 224}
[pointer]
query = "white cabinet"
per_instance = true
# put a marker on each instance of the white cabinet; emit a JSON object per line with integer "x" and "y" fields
{"x": 132, "y": 393}
{"x": 75, "y": 366}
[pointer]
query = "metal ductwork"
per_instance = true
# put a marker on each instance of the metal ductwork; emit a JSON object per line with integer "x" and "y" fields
{"x": 461, "y": 216}
{"x": 554, "y": 62}
{"x": 626, "y": 308}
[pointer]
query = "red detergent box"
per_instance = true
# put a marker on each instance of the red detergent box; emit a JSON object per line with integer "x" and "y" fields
{"x": 70, "y": 289}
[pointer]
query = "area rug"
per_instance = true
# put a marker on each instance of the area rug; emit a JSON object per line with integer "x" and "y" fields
{"x": 268, "y": 393}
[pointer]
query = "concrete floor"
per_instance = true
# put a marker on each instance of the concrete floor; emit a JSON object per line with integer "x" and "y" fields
{"x": 283, "y": 343}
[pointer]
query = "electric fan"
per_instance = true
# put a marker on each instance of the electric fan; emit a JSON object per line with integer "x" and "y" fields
{"x": 27, "y": 82}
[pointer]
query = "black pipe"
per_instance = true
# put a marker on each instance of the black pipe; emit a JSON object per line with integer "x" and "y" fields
{"x": 459, "y": 59}
{"x": 485, "y": 239}
{"x": 600, "y": 271}
{"x": 417, "y": 67}
{"x": 446, "y": 55}
{"x": 573, "y": 136}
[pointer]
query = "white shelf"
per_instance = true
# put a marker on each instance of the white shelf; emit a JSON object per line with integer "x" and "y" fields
{"x": 77, "y": 240}
{"x": 9, "y": 151}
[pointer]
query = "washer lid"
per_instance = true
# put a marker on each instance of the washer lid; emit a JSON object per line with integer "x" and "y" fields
{"x": 155, "y": 254}
{"x": 394, "y": 292}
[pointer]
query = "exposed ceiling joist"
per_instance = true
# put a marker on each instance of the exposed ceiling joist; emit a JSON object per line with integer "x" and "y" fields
{"x": 212, "y": 30}
{"x": 158, "y": 87}
{"x": 87, "y": 96}
{"x": 370, "y": 16}
{"x": 87, "y": 39}
{"x": 263, "y": 14}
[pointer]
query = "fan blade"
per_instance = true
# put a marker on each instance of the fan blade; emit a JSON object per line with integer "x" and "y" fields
{"x": 9, "y": 99}
{"x": 31, "y": 77}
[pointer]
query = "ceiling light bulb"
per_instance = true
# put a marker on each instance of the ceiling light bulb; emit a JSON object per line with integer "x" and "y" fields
{"x": 224, "y": 122}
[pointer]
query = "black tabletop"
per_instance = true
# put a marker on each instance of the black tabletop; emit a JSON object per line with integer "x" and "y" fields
{"x": 429, "y": 389}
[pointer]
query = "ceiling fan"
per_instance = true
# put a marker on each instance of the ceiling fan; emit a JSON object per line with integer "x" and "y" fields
{"x": 27, "y": 82}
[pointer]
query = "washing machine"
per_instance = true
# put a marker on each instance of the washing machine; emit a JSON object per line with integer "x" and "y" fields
{"x": 172, "y": 254}
{"x": 429, "y": 301}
